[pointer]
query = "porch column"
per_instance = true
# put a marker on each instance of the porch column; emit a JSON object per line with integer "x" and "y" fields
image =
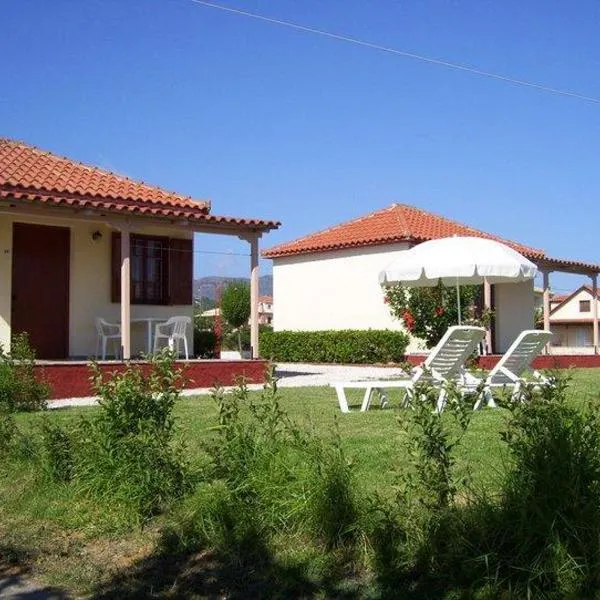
{"x": 594, "y": 279}
{"x": 546, "y": 298}
{"x": 125, "y": 295}
{"x": 487, "y": 304}
{"x": 254, "y": 295}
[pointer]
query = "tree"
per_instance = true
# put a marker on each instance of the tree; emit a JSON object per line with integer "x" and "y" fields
{"x": 235, "y": 307}
{"x": 428, "y": 312}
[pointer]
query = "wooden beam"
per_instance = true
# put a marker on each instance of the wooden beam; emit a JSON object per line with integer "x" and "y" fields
{"x": 125, "y": 295}
{"x": 487, "y": 304}
{"x": 594, "y": 279}
{"x": 254, "y": 282}
{"x": 546, "y": 279}
{"x": 62, "y": 213}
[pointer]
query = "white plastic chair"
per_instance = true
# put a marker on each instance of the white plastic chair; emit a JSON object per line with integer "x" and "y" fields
{"x": 445, "y": 363}
{"x": 509, "y": 370}
{"x": 173, "y": 330}
{"x": 107, "y": 332}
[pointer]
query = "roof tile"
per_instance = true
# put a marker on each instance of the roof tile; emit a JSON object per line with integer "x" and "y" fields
{"x": 30, "y": 174}
{"x": 396, "y": 223}
{"x": 32, "y": 170}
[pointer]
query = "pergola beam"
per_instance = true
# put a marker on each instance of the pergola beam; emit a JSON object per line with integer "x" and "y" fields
{"x": 116, "y": 220}
{"x": 546, "y": 300}
{"x": 594, "y": 279}
{"x": 254, "y": 284}
{"x": 125, "y": 294}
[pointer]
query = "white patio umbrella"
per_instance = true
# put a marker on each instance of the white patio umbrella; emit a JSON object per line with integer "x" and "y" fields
{"x": 458, "y": 261}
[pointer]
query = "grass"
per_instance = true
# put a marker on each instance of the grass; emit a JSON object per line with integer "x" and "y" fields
{"x": 69, "y": 541}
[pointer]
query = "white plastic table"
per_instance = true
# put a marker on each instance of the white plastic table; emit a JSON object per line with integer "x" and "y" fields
{"x": 149, "y": 321}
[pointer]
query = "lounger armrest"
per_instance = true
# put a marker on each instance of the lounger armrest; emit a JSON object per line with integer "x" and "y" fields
{"x": 505, "y": 372}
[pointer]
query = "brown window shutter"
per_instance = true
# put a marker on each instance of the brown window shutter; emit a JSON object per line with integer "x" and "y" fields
{"x": 181, "y": 271}
{"x": 115, "y": 267}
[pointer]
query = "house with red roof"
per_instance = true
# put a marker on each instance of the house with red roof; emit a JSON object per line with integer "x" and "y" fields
{"x": 329, "y": 279}
{"x": 571, "y": 320}
{"x": 78, "y": 242}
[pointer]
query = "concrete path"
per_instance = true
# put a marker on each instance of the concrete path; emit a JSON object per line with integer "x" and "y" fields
{"x": 14, "y": 587}
{"x": 289, "y": 374}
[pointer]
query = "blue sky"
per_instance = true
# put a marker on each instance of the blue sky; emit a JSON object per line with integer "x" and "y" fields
{"x": 270, "y": 122}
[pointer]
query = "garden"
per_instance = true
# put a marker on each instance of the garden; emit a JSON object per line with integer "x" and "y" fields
{"x": 275, "y": 494}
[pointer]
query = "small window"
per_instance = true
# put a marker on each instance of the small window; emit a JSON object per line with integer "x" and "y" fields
{"x": 149, "y": 257}
{"x": 161, "y": 270}
{"x": 584, "y": 306}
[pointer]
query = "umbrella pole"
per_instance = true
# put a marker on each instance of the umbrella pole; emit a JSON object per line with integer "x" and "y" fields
{"x": 458, "y": 301}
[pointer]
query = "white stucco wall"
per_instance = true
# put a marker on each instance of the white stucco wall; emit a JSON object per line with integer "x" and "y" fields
{"x": 90, "y": 285}
{"x": 340, "y": 290}
{"x": 335, "y": 290}
{"x": 514, "y": 312}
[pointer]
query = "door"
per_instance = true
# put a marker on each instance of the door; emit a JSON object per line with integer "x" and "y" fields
{"x": 40, "y": 287}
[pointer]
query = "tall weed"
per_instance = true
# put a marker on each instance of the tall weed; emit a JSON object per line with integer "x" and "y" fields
{"x": 127, "y": 454}
{"x": 20, "y": 390}
{"x": 269, "y": 480}
{"x": 550, "y": 502}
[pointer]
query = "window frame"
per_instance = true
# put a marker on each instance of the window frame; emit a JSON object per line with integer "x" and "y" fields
{"x": 136, "y": 238}
{"x": 583, "y": 304}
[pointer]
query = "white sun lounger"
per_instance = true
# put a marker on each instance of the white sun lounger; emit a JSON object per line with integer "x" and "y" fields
{"x": 509, "y": 370}
{"x": 445, "y": 363}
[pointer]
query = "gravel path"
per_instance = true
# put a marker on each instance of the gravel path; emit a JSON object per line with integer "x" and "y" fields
{"x": 289, "y": 374}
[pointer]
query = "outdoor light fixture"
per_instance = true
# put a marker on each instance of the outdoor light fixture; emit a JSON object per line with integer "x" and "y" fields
{"x": 97, "y": 235}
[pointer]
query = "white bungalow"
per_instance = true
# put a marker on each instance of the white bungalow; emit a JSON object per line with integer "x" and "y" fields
{"x": 77, "y": 243}
{"x": 329, "y": 279}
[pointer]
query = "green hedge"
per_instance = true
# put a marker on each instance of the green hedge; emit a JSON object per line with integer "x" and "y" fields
{"x": 205, "y": 343}
{"x": 345, "y": 346}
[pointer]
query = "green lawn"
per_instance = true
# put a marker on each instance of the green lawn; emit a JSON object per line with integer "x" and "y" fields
{"x": 75, "y": 543}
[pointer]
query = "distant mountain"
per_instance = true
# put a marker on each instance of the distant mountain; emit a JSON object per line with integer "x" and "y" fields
{"x": 207, "y": 286}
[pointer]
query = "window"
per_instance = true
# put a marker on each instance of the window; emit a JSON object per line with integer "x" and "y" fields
{"x": 583, "y": 336}
{"x": 161, "y": 270}
{"x": 149, "y": 266}
{"x": 584, "y": 306}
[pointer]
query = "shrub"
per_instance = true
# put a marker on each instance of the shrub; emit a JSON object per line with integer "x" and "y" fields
{"x": 268, "y": 480}
{"x": 235, "y": 306}
{"x": 57, "y": 451}
{"x": 345, "y": 346}
{"x": 8, "y": 430}
{"x": 550, "y": 502}
{"x": 428, "y": 312}
{"x": 20, "y": 390}
{"x": 206, "y": 343}
{"x": 231, "y": 340}
{"x": 127, "y": 451}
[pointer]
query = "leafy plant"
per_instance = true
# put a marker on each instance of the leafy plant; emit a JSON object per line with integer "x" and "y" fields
{"x": 57, "y": 451}
{"x": 345, "y": 346}
{"x": 8, "y": 430}
{"x": 206, "y": 343}
{"x": 127, "y": 452}
{"x": 551, "y": 497}
{"x": 428, "y": 312}
{"x": 20, "y": 389}
{"x": 235, "y": 306}
{"x": 268, "y": 480}
{"x": 432, "y": 443}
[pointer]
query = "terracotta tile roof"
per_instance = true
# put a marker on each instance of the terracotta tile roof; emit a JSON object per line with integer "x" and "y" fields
{"x": 266, "y": 299}
{"x": 396, "y": 223}
{"x": 29, "y": 174}
{"x": 28, "y": 169}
